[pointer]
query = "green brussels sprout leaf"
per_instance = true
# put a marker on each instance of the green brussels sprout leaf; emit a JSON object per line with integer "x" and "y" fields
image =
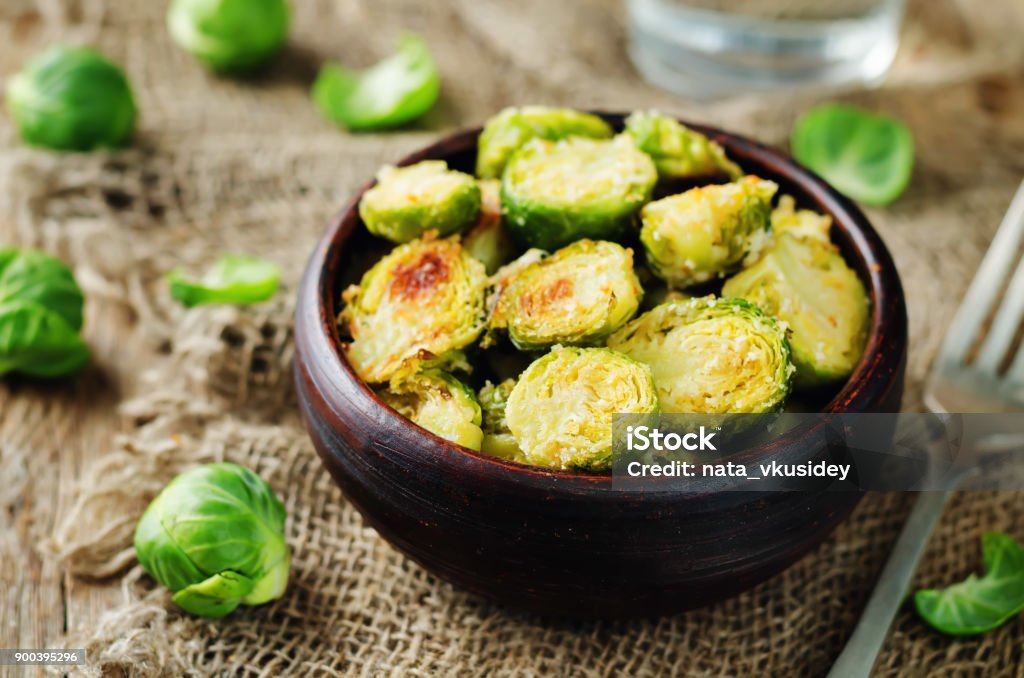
{"x": 395, "y": 91}
{"x": 72, "y": 99}
{"x": 214, "y": 597}
{"x": 866, "y": 156}
{"x": 40, "y": 316}
{"x": 229, "y": 35}
{"x": 979, "y": 604}
{"x": 215, "y": 537}
{"x": 234, "y": 279}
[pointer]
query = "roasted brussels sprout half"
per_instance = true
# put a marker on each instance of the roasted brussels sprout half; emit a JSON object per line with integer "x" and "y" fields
{"x": 440, "y": 403}
{"x": 560, "y": 411}
{"x": 711, "y": 356}
{"x": 707, "y": 232}
{"x": 409, "y": 201}
{"x": 678, "y": 151}
{"x": 498, "y": 439}
{"x": 229, "y": 35}
{"x": 557, "y": 192}
{"x": 72, "y": 99}
{"x": 786, "y": 218}
{"x": 806, "y": 284}
{"x": 424, "y": 299}
{"x": 577, "y": 296}
{"x": 489, "y": 241}
{"x": 512, "y": 128}
{"x": 496, "y": 285}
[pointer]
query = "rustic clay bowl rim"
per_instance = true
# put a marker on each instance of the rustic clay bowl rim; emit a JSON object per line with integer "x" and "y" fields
{"x": 867, "y": 386}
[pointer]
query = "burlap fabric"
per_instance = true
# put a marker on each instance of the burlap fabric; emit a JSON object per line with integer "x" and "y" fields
{"x": 248, "y": 165}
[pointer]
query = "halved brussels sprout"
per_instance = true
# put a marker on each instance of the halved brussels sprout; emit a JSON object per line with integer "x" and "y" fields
{"x": 512, "y": 128}
{"x": 554, "y": 193}
{"x": 560, "y": 411}
{"x": 440, "y": 403}
{"x": 806, "y": 284}
{"x": 786, "y": 218}
{"x": 496, "y": 285}
{"x": 707, "y": 232}
{"x": 424, "y": 299}
{"x": 409, "y": 201}
{"x": 711, "y": 356}
{"x": 577, "y": 296}
{"x": 489, "y": 241}
{"x": 498, "y": 439}
{"x": 678, "y": 151}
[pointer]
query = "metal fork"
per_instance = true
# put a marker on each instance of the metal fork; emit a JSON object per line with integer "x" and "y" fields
{"x": 978, "y": 370}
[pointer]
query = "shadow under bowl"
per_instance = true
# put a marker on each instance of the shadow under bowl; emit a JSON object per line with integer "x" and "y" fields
{"x": 563, "y": 543}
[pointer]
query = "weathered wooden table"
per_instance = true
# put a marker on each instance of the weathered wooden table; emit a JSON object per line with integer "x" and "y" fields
{"x": 959, "y": 82}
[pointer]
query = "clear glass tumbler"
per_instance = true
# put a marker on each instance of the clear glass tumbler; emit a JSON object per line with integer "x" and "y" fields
{"x": 714, "y": 48}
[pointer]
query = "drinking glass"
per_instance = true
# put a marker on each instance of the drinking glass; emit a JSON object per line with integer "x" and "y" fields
{"x": 715, "y": 48}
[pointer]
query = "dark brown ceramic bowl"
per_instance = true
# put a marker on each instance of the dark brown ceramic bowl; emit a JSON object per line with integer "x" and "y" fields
{"x": 564, "y": 543}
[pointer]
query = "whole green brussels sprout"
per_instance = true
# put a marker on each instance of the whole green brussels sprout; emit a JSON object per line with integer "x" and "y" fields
{"x": 72, "y": 99}
{"x": 423, "y": 300}
{"x": 440, "y": 403}
{"x": 556, "y": 192}
{"x": 711, "y": 356}
{"x": 678, "y": 151}
{"x": 560, "y": 411}
{"x": 407, "y": 202}
{"x": 577, "y": 296}
{"x": 229, "y": 35}
{"x": 215, "y": 537}
{"x": 512, "y": 128}
{"x": 40, "y": 316}
{"x": 707, "y": 232}
{"x": 806, "y": 284}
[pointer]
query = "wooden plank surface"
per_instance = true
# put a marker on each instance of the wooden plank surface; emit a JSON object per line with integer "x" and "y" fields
{"x": 49, "y": 434}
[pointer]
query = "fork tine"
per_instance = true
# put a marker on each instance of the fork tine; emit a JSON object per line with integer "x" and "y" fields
{"x": 1002, "y": 254}
{"x": 1004, "y": 327}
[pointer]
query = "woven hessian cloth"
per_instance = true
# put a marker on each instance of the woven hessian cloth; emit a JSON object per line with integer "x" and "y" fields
{"x": 223, "y": 165}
